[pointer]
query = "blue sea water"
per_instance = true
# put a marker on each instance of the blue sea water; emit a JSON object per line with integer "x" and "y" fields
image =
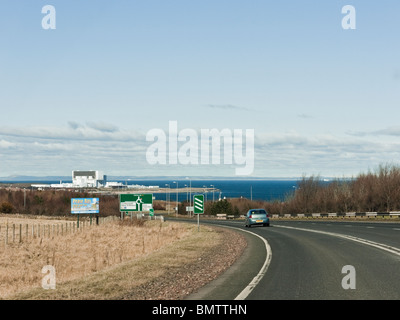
{"x": 267, "y": 190}
{"x": 251, "y": 189}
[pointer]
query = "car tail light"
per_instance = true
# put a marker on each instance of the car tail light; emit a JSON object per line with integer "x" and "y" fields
{"x": 250, "y": 216}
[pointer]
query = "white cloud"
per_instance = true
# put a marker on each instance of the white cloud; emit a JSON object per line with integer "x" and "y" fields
{"x": 228, "y": 107}
{"x": 103, "y": 127}
{"x": 40, "y": 150}
{"x": 304, "y": 116}
{"x": 393, "y": 131}
{"x": 6, "y": 144}
{"x": 75, "y": 131}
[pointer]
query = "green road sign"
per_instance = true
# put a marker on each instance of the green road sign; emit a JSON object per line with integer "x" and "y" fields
{"x": 198, "y": 204}
{"x": 135, "y": 202}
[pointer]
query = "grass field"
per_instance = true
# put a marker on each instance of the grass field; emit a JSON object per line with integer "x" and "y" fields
{"x": 79, "y": 256}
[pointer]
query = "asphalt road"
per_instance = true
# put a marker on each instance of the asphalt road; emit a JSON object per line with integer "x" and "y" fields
{"x": 305, "y": 259}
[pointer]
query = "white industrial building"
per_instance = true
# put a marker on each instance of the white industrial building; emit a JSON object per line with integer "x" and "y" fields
{"x": 88, "y": 179}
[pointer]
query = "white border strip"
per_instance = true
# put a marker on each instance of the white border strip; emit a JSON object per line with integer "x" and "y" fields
{"x": 256, "y": 280}
{"x": 378, "y": 245}
{"x": 246, "y": 291}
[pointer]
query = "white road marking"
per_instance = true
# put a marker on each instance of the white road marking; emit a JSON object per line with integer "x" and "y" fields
{"x": 381, "y": 246}
{"x": 256, "y": 280}
{"x": 249, "y": 288}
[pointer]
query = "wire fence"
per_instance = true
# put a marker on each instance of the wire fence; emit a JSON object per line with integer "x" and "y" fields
{"x": 11, "y": 232}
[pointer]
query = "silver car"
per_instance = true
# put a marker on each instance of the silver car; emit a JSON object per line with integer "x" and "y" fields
{"x": 257, "y": 217}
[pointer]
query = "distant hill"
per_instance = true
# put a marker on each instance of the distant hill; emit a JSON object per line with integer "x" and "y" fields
{"x": 34, "y": 178}
{"x": 22, "y": 178}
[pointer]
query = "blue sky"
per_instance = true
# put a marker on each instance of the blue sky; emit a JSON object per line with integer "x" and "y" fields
{"x": 321, "y": 99}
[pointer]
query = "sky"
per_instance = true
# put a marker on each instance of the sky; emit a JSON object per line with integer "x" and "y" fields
{"x": 320, "y": 99}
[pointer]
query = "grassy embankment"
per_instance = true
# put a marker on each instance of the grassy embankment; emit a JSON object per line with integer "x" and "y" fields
{"x": 99, "y": 262}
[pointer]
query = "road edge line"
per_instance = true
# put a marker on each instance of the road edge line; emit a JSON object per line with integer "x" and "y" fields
{"x": 256, "y": 280}
{"x": 370, "y": 243}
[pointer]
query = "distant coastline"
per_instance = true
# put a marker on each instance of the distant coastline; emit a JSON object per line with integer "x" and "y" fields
{"x": 34, "y": 179}
{"x": 182, "y": 188}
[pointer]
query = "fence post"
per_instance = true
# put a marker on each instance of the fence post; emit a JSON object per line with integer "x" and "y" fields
{"x": 20, "y": 233}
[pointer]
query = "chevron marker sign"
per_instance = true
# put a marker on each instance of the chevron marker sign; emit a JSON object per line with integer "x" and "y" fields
{"x": 198, "y": 204}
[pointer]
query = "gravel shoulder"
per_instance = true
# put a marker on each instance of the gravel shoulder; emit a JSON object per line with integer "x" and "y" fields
{"x": 179, "y": 281}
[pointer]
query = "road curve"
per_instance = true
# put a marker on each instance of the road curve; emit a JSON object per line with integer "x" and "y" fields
{"x": 308, "y": 259}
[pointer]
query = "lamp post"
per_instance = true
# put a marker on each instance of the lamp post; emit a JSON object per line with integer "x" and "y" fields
{"x": 167, "y": 196}
{"x": 190, "y": 195}
{"x": 205, "y": 192}
{"x": 177, "y": 185}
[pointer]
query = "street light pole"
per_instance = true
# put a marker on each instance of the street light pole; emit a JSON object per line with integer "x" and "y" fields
{"x": 168, "y": 197}
{"x": 177, "y": 185}
{"x": 190, "y": 196}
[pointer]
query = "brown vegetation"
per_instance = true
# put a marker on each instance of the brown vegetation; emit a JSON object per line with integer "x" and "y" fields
{"x": 80, "y": 254}
{"x": 377, "y": 191}
{"x": 50, "y": 202}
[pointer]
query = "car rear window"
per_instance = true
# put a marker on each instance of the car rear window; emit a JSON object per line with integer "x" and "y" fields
{"x": 258, "y": 212}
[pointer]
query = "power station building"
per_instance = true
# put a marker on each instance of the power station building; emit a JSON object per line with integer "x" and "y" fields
{"x": 88, "y": 179}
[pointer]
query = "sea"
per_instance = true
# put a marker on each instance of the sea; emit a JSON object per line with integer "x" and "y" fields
{"x": 255, "y": 189}
{"x": 267, "y": 190}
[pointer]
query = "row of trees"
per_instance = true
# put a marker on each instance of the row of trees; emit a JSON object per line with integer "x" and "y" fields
{"x": 50, "y": 202}
{"x": 377, "y": 191}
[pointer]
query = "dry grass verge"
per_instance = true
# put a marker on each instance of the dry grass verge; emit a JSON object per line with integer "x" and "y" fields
{"x": 80, "y": 254}
{"x": 120, "y": 261}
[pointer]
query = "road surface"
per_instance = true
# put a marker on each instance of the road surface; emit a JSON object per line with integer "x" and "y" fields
{"x": 305, "y": 260}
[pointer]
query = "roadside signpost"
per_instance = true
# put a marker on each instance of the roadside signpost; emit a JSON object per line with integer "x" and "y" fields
{"x": 198, "y": 207}
{"x": 198, "y": 202}
{"x": 85, "y": 206}
{"x": 136, "y": 203}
